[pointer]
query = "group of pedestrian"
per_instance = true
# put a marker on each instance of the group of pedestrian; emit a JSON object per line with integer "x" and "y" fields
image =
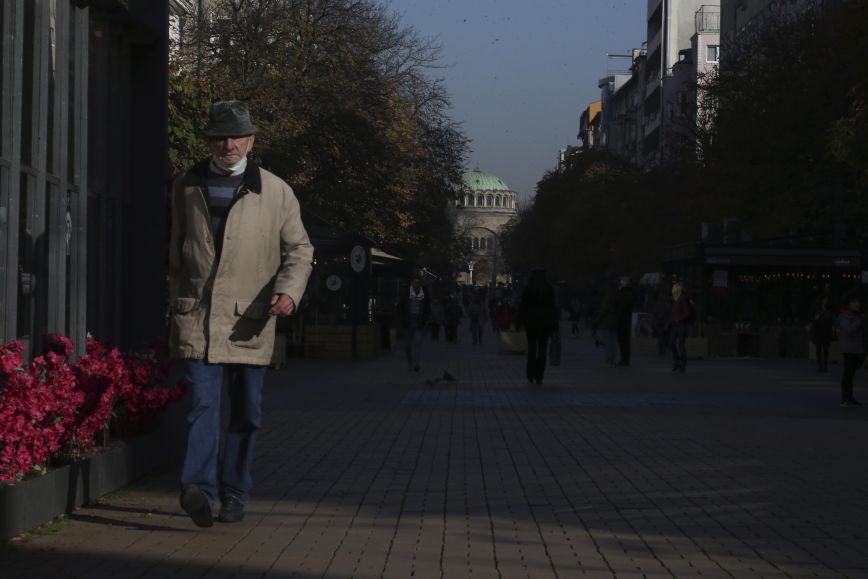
{"x": 613, "y": 325}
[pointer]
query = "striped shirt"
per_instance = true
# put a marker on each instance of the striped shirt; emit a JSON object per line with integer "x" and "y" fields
{"x": 221, "y": 194}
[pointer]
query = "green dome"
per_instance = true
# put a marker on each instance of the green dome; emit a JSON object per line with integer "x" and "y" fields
{"x": 480, "y": 181}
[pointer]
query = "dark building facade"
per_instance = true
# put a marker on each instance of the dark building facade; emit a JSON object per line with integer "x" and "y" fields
{"x": 83, "y": 168}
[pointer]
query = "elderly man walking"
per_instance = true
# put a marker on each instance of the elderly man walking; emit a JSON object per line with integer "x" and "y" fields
{"x": 239, "y": 256}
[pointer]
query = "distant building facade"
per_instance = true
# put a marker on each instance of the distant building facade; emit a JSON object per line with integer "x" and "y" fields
{"x": 485, "y": 206}
{"x": 650, "y": 108}
{"x": 686, "y": 110}
{"x": 589, "y": 125}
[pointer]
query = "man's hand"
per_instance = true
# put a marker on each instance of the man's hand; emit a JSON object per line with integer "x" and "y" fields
{"x": 281, "y": 305}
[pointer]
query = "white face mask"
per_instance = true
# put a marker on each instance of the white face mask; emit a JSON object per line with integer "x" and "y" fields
{"x": 233, "y": 169}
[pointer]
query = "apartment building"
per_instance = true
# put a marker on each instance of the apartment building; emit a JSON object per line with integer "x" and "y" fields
{"x": 671, "y": 27}
{"x": 647, "y": 105}
{"x": 625, "y": 112}
{"x": 589, "y": 125}
{"x": 685, "y": 112}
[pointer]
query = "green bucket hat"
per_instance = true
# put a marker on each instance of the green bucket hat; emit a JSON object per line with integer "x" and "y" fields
{"x": 229, "y": 119}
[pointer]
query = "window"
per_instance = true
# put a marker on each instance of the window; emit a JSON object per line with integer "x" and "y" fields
{"x": 712, "y": 53}
{"x": 479, "y": 201}
{"x": 483, "y": 243}
{"x": 475, "y": 243}
{"x": 489, "y": 201}
{"x": 468, "y": 200}
{"x": 497, "y": 201}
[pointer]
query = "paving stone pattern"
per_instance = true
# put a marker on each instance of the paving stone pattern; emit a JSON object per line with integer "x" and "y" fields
{"x": 738, "y": 468}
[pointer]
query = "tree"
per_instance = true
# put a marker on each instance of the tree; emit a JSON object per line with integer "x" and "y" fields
{"x": 189, "y": 101}
{"x": 348, "y": 113}
{"x": 789, "y": 116}
{"x": 603, "y": 217}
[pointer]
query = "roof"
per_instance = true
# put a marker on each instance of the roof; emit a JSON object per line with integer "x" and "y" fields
{"x": 480, "y": 181}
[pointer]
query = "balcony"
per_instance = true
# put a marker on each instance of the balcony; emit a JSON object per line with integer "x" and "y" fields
{"x": 708, "y": 19}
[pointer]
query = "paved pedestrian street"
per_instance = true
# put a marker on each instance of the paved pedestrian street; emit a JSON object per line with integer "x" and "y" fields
{"x": 738, "y": 468}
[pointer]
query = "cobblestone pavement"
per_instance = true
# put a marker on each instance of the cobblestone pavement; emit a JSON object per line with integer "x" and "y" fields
{"x": 738, "y": 468}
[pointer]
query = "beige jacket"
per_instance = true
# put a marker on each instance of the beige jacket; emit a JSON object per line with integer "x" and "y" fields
{"x": 220, "y": 310}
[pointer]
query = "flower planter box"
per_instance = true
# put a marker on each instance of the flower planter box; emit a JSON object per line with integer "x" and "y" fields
{"x": 29, "y": 503}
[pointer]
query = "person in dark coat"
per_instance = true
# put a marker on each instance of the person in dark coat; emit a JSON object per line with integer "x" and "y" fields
{"x": 605, "y": 327}
{"x": 476, "y": 314}
{"x": 678, "y": 327}
{"x": 539, "y": 314}
{"x": 624, "y": 300}
{"x": 452, "y": 313}
{"x": 851, "y": 331}
{"x": 415, "y": 308}
{"x": 822, "y": 333}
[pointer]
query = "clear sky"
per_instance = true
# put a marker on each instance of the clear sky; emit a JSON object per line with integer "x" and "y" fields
{"x": 520, "y": 72}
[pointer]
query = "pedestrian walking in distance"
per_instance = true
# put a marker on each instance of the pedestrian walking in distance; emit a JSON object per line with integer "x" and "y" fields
{"x": 414, "y": 308}
{"x": 436, "y": 319}
{"x": 851, "y": 331}
{"x": 605, "y": 327}
{"x": 624, "y": 300}
{"x": 239, "y": 257}
{"x": 475, "y": 314}
{"x": 678, "y": 327}
{"x": 538, "y": 313}
{"x": 822, "y": 331}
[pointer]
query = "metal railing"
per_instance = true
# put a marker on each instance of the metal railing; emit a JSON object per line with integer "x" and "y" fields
{"x": 708, "y": 19}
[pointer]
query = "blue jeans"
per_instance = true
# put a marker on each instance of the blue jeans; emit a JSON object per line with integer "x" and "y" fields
{"x": 205, "y": 382}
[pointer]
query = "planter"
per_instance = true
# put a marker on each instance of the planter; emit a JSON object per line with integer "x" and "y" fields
{"x": 32, "y": 502}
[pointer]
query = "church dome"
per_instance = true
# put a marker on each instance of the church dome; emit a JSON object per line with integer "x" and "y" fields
{"x": 480, "y": 181}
